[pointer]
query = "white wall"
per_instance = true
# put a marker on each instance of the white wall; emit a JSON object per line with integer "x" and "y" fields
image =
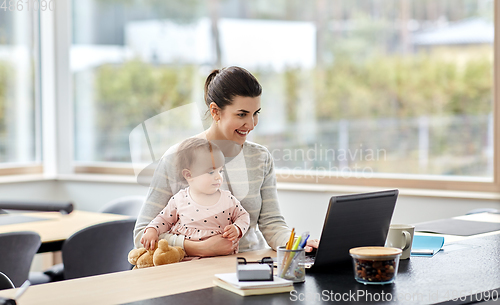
{"x": 302, "y": 210}
{"x": 39, "y": 190}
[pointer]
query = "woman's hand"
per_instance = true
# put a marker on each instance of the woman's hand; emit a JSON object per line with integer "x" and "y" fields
{"x": 149, "y": 239}
{"x": 213, "y": 246}
{"x": 311, "y": 245}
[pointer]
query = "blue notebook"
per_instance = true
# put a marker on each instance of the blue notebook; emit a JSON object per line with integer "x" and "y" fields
{"x": 426, "y": 246}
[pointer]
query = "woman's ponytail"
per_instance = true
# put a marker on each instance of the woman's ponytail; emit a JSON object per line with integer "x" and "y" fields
{"x": 210, "y": 78}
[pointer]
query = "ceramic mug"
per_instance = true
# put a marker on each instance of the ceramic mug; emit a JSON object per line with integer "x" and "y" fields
{"x": 401, "y": 236}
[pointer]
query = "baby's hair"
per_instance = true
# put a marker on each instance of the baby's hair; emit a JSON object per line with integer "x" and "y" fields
{"x": 186, "y": 153}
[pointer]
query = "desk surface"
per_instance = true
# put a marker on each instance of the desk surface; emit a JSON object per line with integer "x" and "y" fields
{"x": 473, "y": 265}
{"x": 134, "y": 285}
{"x": 485, "y": 217}
{"x": 473, "y": 268}
{"x": 59, "y": 227}
{"x": 465, "y": 272}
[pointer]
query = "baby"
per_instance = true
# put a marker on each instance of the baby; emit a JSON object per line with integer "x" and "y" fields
{"x": 202, "y": 209}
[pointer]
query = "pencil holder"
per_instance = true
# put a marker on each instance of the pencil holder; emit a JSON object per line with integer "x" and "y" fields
{"x": 291, "y": 264}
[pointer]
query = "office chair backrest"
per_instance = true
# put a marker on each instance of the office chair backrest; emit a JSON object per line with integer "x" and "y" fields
{"x": 17, "y": 250}
{"x": 5, "y": 282}
{"x": 129, "y": 205}
{"x": 99, "y": 249}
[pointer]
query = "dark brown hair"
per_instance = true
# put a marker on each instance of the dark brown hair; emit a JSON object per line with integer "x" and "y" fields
{"x": 222, "y": 85}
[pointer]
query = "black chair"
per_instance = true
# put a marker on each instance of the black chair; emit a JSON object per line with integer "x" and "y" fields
{"x": 5, "y": 282}
{"x": 99, "y": 249}
{"x": 52, "y": 206}
{"x": 128, "y": 205}
{"x": 17, "y": 250}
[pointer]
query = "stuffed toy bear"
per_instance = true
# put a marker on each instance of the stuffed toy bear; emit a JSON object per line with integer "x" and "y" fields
{"x": 163, "y": 254}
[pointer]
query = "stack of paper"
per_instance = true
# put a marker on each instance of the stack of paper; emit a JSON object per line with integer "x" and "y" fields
{"x": 229, "y": 281}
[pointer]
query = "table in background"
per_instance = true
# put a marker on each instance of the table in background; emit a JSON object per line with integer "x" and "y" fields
{"x": 54, "y": 228}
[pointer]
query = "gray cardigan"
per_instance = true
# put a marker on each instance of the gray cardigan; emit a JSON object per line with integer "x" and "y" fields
{"x": 252, "y": 180}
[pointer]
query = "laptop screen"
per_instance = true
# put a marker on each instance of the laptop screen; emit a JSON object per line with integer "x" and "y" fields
{"x": 355, "y": 221}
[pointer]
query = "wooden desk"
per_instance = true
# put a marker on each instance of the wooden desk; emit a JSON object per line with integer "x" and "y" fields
{"x": 59, "y": 227}
{"x": 474, "y": 268}
{"x": 134, "y": 285}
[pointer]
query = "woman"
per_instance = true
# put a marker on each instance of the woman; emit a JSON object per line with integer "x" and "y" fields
{"x": 232, "y": 96}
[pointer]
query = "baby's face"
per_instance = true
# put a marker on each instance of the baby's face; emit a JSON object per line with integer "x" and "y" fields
{"x": 204, "y": 178}
{"x": 207, "y": 183}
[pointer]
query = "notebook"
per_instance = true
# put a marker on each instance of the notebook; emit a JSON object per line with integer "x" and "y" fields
{"x": 351, "y": 221}
{"x": 229, "y": 281}
{"x": 426, "y": 246}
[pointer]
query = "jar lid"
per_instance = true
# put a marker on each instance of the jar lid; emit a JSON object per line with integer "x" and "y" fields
{"x": 375, "y": 251}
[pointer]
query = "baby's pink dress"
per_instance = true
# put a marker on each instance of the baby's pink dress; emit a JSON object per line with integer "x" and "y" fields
{"x": 183, "y": 215}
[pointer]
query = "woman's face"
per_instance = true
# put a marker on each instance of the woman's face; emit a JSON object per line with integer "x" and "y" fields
{"x": 239, "y": 118}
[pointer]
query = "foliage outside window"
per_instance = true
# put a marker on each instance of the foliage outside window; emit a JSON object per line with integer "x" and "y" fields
{"x": 389, "y": 91}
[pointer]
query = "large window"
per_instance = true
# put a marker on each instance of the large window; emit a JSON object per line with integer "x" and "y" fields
{"x": 18, "y": 116}
{"x": 350, "y": 88}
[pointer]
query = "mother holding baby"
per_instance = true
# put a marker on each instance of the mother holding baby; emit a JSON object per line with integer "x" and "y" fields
{"x": 232, "y": 96}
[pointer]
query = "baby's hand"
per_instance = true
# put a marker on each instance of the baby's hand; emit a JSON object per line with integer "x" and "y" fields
{"x": 149, "y": 239}
{"x": 231, "y": 232}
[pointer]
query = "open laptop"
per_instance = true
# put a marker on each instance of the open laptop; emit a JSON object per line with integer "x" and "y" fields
{"x": 353, "y": 221}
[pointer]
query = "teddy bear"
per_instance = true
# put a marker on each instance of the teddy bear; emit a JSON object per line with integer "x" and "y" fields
{"x": 163, "y": 254}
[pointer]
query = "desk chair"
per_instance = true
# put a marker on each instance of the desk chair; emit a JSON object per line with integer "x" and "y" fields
{"x": 5, "y": 282}
{"x": 128, "y": 205}
{"x": 99, "y": 249}
{"x": 17, "y": 250}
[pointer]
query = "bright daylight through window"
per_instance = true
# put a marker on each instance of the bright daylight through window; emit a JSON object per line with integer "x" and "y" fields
{"x": 18, "y": 117}
{"x": 403, "y": 87}
{"x": 350, "y": 88}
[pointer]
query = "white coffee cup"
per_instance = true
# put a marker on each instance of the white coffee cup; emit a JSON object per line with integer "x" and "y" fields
{"x": 401, "y": 236}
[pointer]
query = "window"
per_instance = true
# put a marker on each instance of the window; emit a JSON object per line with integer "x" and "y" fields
{"x": 19, "y": 141}
{"x": 351, "y": 89}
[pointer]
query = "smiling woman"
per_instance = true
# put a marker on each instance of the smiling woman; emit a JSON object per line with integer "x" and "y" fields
{"x": 233, "y": 97}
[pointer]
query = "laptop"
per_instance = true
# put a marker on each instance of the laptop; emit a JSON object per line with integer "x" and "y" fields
{"x": 351, "y": 221}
